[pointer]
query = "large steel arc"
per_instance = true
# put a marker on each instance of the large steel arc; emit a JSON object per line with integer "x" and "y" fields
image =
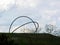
{"x": 36, "y": 27}
{"x": 26, "y": 24}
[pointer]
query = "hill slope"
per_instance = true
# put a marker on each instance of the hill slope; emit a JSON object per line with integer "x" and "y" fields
{"x": 32, "y": 39}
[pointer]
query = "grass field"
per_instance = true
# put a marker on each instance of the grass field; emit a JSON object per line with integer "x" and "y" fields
{"x": 28, "y": 39}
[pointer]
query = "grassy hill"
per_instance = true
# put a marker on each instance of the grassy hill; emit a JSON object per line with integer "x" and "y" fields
{"x": 26, "y": 39}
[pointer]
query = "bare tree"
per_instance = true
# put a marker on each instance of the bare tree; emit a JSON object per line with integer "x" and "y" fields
{"x": 49, "y": 28}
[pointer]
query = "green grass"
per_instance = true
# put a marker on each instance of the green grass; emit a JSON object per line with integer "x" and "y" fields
{"x": 27, "y": 38}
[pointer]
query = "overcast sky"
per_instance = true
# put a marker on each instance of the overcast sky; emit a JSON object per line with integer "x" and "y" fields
{"x": 42, "y": 11}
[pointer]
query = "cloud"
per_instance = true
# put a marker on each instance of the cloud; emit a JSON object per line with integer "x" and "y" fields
{"x": 26, "y": 3}
{"x": 52, "y": 22}
{"x": 55, "y": 4}
{"x": 6, "y": 4}
{"x": 3, "y": 28}
{"x": 58, "y": 18}
{"x": 48, "y": 14}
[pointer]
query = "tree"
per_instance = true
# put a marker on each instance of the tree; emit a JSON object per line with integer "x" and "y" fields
{"x": 49, "y": 28}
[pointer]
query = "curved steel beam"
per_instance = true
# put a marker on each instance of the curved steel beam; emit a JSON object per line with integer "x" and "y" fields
{"x": 21, "y": 17}
{"x": 26, "y": 24}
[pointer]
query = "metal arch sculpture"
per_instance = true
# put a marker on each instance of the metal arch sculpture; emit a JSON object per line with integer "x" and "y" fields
{"x": 24, "y": 24}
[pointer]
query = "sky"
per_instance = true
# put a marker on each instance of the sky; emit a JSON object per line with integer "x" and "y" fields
{"x": 42, "y": 11}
